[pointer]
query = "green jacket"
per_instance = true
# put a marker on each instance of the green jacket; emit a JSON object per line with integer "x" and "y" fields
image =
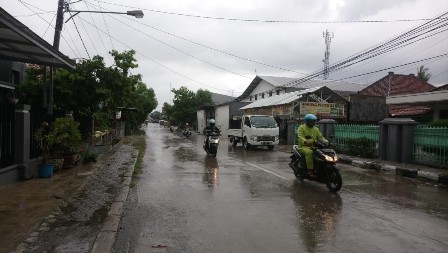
{"x": 312, "y": 132}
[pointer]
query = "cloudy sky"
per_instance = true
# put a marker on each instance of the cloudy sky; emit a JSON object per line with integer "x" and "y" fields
{"x": 176, "y": 46}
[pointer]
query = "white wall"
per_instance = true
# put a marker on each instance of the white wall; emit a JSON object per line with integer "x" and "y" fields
{"x": 222, "y": 117}
{"x": 262, "y": 87}
{"x": 201, "y": 120}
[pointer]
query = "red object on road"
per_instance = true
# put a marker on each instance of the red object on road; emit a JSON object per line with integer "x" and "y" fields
{"x": 159, "y": 246}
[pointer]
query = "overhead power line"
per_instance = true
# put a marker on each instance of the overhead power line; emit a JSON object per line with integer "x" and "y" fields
{"x": 154, "y": 61}
{"x": 205, "y": 46}
{"x": 268, "y": 21}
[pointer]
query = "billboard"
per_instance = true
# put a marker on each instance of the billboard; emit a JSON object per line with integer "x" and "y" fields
{"x": 322, "y": 109}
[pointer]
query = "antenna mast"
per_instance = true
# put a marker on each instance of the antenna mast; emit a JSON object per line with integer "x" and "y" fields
{"x": 328, "y": 36}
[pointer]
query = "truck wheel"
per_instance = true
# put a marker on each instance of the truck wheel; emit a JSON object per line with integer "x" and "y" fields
{"x": 234, "y": 142}
{"x": 246, "y": 144}
{"x": 270, "y": 147}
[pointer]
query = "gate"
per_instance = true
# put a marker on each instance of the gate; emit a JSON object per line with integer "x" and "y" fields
{"x": 6, "y": 135}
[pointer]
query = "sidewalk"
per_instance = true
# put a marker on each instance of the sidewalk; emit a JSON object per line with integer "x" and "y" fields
{"x": 40, "y": 213}
{"x": 402, "y": 169}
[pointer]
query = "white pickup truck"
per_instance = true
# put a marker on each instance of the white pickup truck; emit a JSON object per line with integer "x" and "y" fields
{"x": 256, "y": 130}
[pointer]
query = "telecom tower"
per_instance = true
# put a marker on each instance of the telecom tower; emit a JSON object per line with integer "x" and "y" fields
{"x": 328, "y": 36}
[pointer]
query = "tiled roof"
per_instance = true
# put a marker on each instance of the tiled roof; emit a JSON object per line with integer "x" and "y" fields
{"x": 399, "y": 85}
{"x": 409, "y": 110}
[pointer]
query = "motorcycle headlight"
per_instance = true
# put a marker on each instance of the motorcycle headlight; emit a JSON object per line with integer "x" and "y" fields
{"x": 330, "y": 159}
{"x": 253, "y": 137}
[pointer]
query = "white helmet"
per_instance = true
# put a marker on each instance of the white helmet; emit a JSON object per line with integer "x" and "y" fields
{"x": 212, "y": 121}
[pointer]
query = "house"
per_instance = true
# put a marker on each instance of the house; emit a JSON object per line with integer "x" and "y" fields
{"x": 400, "y": 85}
{"x": 321, "y": 101}
{"x": 208, "y": 112}
{"x": 263, "y": 87}
{"x": 19, "y": 44}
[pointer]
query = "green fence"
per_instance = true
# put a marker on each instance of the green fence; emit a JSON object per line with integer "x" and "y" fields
{"x": 431, "y": 145}
{"x": 343, "y": 133}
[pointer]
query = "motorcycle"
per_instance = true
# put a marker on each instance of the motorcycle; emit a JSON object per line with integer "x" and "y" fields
{"x": 172, "y": 128}
{"x": 213, "y": 143}
{"x": 186, "y": 133}
{"x": 324, "y": 159}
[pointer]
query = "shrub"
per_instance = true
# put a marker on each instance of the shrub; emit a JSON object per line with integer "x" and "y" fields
{"x": 88, "y": 157}
{"x": 361, "y": 147}
{"x": 439, "y": 123}
{"x": 67, "y": 135}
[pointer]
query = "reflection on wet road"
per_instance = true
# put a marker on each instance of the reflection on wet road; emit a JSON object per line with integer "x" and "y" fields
{"x": 249, "y": 201}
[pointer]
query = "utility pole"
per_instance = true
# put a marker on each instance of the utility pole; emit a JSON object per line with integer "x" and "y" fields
{"x": 57, "y": 38}
{"x": 328, "y": 36}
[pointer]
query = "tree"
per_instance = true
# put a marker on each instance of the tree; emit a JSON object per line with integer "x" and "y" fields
{"x": 422, "y": 73}
{"x": 156, "y": 115}
{"x": 95, "y": 90}
{"x": 185, "y": 104}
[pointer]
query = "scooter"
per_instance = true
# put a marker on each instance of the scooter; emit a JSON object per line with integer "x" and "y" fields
{"x": 213, "y": 143}
{"x": 186, "y": 133}
{"x": 172, "y": 128}
{"x": 324, "y": 159}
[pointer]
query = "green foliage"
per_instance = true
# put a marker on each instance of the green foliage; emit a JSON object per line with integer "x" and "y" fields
{"x": 46, "y": 140}
{"x": 67, "y": 135}
{"x": 439, "y": 123}
{"x": 94, "y": 89}
{"x": 156, "y": 115}
{"x": 422, "y": 73}
{"x": 88, "y": 157}
{"x": 186, "y": 102}
{"x": 361, "y": 147}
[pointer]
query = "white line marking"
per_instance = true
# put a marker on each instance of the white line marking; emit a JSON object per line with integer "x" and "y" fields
{"x": 268, "y": 171}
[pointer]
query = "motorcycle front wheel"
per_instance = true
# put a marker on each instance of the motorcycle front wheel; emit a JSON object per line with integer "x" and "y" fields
{"x": 334, "y": 179}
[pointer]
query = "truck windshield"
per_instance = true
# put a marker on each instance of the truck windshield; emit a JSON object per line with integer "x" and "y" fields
{"x": 263, "y": 122}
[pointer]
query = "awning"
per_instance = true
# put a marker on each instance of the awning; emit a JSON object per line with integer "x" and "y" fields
{"x": 18, "y": 43}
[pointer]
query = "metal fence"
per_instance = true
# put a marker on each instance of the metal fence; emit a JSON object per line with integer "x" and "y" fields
{"x": 6, "y": 135}
{"x": 431, "y": 145}
{"x": 343, "y": 133}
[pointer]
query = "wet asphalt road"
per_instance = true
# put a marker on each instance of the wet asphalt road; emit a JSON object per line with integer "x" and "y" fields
{"x": 249, "y": 201}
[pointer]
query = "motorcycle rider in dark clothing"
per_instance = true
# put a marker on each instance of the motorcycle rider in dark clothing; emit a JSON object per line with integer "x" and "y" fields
{"x": 209, "y": 129}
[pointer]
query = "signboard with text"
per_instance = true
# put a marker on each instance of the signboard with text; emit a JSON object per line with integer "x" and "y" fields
{"x": 322, "y": 109}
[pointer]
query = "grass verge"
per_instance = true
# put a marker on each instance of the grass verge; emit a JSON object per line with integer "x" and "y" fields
{"x": 140, "y": 145}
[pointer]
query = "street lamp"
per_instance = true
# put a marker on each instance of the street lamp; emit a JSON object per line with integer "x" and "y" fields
{"x": 135, "y": 13}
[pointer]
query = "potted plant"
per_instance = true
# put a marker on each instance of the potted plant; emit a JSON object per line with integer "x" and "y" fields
{"x": 46, "y": 141}
{"x": 67, "y": 140}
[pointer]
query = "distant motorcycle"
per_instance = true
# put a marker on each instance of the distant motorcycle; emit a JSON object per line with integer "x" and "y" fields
{"x": 186, "y": 133}
{"x": 213, "y": 142}
{"x": 172, "y": 128}
{"x": 324, "y": 159}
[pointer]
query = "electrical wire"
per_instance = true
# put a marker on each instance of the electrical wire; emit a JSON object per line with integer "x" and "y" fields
{"x": 205, "y": 46}
{"x": 49, "y": 25}
{"x": 179, "y": 50}
{"x": 156, "y": 62}
{"x": 107, "y": 28}
{"x": 268, "y": 21}
{"x": 81, "y": 37}
{"x": 88, "y": 36}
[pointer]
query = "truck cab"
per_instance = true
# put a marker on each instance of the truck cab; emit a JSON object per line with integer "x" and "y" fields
{"x": 256, "y": 130}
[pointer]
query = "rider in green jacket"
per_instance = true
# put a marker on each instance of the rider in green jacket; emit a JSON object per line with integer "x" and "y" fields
{"x": 308, "y": 134}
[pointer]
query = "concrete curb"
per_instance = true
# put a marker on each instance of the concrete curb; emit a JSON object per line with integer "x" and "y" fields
{"x": 442, "y": 179}
{"x": 106, "y": 237}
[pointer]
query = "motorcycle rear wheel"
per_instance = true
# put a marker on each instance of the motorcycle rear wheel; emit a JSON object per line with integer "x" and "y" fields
{"x": 334, "y": 179}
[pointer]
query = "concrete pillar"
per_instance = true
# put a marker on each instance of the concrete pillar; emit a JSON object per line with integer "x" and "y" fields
{"x": 397, "y": 139}
{"x": 291, "y": 136}
{"x": 326, "y": 127}
{"x": 22, "y": 126}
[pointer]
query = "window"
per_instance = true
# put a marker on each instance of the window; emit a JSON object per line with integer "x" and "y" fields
{"x": 262, "y": 95}
{"x": 256, "y": 96}
{"x": 270, "y": 93}
{"x": 278, "y": 92}
{"x": 250, "y": 98}
{"x": 247, "y": 121}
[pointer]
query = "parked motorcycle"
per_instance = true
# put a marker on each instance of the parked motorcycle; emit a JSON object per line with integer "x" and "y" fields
{"x": 325, "y": 159}
{"x": 213, "y": 142}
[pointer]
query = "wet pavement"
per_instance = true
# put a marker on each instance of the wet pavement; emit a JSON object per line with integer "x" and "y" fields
{"x": 249, "y": 201}
{"x": 63, "y": 213}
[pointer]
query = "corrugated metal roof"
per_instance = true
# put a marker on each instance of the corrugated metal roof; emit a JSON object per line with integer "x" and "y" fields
{"x": 280, "y": 99}
{"x": 277, "y": 81}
